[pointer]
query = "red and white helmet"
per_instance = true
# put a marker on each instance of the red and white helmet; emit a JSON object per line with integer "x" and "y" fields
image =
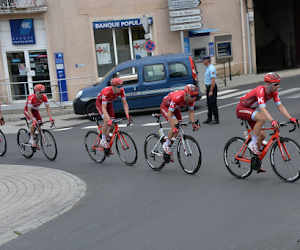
{"x": 39, "y": 88}
{"x": 191, "y": 89}
{"x": 272, "y": 78}
{"x": 116, "y": 81}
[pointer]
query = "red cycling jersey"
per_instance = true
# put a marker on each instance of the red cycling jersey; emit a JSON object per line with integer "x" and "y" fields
{"x": 175, "y": 100}
{"x": 34, "y": 103}
{"x": 258, "y": 98}
{"x": 107, "y": 95}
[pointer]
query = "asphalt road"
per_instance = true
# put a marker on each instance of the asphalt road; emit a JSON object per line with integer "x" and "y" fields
{"x": 134, "y": 207}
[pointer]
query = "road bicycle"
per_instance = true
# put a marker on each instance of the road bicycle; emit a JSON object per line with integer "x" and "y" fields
{"x": 125, "y": 145}
{"x": 284, "y": 156}
{"x": 188, "y": 150}
{"x": 43, "y": 139}
{"x": 3, "y": 144}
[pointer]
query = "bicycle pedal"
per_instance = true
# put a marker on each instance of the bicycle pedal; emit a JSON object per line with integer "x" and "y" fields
{"x": 107, "y": 152}
{"x": 255, "y": 163}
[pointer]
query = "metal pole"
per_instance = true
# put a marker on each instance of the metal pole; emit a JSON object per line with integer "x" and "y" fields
{"x": 182, "y": 41}
{"x": 249, "y": 40}
{"x": 224, "y": 74}
{"x": 229, "y": 69}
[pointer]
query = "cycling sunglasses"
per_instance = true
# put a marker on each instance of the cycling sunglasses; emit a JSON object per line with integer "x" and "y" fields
{"x": 118, "y": 86}
{"x": 41, "y": 92}
{"x": 276, "y": 84}
{"x": 192, "y": 96}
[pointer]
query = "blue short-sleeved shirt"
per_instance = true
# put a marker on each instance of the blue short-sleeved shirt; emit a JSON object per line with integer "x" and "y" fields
{"x": 210, "y": 72}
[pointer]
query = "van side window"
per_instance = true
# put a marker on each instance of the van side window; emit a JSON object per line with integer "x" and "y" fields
{"x": 129, "y": 76}
{"x": 178, "y": 70}
{"x": 154, "y": 72}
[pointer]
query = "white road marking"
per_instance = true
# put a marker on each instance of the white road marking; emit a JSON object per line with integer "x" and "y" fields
{"x": 62, "y": 129}
{"x": 240, "y": 93}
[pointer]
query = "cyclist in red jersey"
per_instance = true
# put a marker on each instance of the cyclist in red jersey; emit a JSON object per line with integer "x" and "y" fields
{"x": 105, "y": 107}
{"x": 257, "y": 98}
{"x": 170, "y": 109}
{"x": 31, "y": 109}
{"x": 1, "y": 117}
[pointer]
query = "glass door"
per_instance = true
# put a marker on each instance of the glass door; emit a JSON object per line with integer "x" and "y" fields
{"x": 17, "y": 73}
{"x": 39, "y": 69}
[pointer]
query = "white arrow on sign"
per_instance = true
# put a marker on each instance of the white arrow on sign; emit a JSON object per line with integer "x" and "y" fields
{"x": 183, "y": 4}
{"x": 189, "y": 26}
{"x": 185, "y": 12}
{"x": 187, "y": 19}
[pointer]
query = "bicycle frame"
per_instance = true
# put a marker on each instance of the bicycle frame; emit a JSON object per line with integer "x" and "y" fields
{"x": 116, "y": 132}
{"x": 275, "y": 137}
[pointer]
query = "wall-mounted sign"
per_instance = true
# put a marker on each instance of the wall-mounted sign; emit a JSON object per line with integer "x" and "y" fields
{"x": 187, "y": 19}
{"x": 188, "y": 26}
{"x": 60, "y": 70}
{"x": 185, "y": 12}
{"x": 22, "y": 31}
{"x": 211, "y": 49}
{"x": 103, "y": 53}
{"x": 120, "y": 23}
{"x": 187, "y": 48}
{"x": 80, "y": 65}
{"x": 183, "y": 4}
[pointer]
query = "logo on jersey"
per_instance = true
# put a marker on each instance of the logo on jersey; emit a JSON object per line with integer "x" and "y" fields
{"x": 260, "y": 100}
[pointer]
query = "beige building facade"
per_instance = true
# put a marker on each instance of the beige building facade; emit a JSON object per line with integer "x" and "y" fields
{"x": 82, "y": 40}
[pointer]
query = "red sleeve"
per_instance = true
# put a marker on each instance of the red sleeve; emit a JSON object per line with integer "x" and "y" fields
{"x": 123, "y": 96}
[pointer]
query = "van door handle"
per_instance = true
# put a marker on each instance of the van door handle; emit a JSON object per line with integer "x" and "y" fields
{"x": 146, "y": 88}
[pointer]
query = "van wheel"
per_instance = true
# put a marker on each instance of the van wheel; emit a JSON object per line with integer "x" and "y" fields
{"x": 91, "y": 108}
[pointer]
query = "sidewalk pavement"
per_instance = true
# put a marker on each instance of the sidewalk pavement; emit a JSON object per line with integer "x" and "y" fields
{"x": 31, "y": 196}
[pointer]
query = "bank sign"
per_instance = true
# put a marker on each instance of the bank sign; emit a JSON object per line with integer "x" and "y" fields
{"x": 22, "y": 31}
{"x": 119, "y": 23}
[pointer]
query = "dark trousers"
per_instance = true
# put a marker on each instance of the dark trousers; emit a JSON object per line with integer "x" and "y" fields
{"x": 212, "y": 103}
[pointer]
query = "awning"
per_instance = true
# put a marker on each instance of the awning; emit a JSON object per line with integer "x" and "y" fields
{"x": 195, "y": 32}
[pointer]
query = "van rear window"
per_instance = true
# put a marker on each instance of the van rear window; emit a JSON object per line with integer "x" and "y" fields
{"x": 177, "y": 70}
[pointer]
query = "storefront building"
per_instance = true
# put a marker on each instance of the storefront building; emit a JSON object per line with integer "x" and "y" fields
{"x": 91, "y": 37}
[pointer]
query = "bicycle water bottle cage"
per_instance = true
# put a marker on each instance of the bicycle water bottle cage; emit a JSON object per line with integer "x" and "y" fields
{"x": 255, "y": 162}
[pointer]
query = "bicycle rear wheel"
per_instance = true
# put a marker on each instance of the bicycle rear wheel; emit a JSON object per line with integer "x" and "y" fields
{"x": 3, "y": 144}
{"x": 92, "y": 146}
{"x": 154, "y": 151}
{"x": 189, "y": 155}
{"x": 289, "y": 170}
{"x": 126, "y": 149}
{"x": 23, "y": 143}
{"x": 237, "y": 168}
{"x": 48, "y": 145}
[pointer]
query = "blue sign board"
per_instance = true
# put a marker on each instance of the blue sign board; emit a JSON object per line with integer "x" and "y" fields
{"x": 187, "y": 48}
{"x": 22, "y": 31}
{"x": 211, "y": 49}
{"x": 60, "y": 70}
{"x": 120, "y": 23}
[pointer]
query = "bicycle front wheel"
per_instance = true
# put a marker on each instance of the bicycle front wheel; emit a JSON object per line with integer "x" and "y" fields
{"x": 126, "y": 148}
{"x": 287, "y": 170}
{"x": 153, "y": 149}
{"x": 92, "y": 146}
{"x": 237, "y": 168}
{"x": 189, "y": 155}
{"x": 48, "y": 145}
{"x": 3, "y": 144}
{"x": 23, "y": 143}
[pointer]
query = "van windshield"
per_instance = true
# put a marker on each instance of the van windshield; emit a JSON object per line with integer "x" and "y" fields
{"x": 104, "y": 77}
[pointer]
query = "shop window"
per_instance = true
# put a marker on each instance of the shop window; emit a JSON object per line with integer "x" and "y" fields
{"x": 122, "y": 41}
{"x": 138, "y": 42}
{"x": 154, "y": 72}
{"x": 104, "y": 51}
{"x": 177, "y": 70}
{"x": 129, "y": 76}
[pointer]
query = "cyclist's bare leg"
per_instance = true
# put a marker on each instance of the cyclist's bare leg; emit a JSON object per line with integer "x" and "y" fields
{"x": 260, "y": 138}
{"x": 260, "y": 121}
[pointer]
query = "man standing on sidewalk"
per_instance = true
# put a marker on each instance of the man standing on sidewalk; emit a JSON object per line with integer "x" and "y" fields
{"x": 211, "y": 91}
